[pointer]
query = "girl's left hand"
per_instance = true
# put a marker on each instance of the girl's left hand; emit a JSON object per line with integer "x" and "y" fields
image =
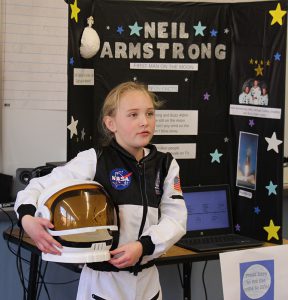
{"x": 126, "y": 255}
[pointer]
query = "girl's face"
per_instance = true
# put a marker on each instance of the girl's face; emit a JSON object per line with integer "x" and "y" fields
{"x": 133, "y": 123}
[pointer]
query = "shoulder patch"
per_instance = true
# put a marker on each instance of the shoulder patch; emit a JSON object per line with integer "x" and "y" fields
{"x": 176, "y": 184}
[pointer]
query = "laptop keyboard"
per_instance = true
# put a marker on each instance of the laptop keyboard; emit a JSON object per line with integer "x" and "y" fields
{"x": 212, "y": 239}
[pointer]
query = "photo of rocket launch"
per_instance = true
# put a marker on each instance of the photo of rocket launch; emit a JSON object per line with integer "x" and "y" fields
{"x": 247, "y": 160}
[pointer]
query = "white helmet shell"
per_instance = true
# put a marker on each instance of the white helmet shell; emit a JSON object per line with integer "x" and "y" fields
{"x": 84, "y": 220}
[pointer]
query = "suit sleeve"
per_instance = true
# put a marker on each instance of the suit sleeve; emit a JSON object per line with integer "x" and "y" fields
{"x": 83, "y": 167}
{"x": 172, "y": 223}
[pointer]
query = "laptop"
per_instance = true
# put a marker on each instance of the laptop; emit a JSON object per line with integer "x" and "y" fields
{"x": 209, "y": 222}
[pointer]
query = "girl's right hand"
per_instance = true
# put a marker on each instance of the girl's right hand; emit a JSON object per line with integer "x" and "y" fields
{"x": 35, "y": 227}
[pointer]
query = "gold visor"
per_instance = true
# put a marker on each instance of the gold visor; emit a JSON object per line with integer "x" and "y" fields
{"x": 81, "y": 206}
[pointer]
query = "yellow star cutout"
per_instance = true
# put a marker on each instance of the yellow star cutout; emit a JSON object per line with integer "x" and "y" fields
{"x": 277, "y": 15}
{"x": 251, "y": 61}
{"x": 74, "y": 11}
{"x": 259, "y": 70}
{"x": 268, "y": 63}
{"x": 272, "y": 231}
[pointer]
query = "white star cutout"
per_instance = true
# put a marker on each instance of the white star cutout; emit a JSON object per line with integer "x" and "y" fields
{"x": 273, "y": 143}
{"x": 73, "y": 127}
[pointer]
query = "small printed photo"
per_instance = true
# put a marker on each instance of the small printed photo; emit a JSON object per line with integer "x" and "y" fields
{"x": 254, "y": 92}
{"x": 247, "y": 160}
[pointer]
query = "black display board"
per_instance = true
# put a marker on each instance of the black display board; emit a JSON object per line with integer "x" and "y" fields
{"x": 220, "y": 69}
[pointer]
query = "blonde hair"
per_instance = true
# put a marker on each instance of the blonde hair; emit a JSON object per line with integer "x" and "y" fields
{"x": 112, "y": 101}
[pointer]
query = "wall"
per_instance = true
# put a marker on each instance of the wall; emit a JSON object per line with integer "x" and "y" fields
{"x": 32, "y": 137}
{"x": 33, "y": 55}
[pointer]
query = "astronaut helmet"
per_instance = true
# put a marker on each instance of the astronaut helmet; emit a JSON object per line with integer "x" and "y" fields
{"x": 84, "y": 218}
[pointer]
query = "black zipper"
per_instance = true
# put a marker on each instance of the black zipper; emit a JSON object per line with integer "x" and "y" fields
{"x": 141, "y": 172}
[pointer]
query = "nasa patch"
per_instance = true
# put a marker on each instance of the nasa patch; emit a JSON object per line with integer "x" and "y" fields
{"x": 120, "y": 179}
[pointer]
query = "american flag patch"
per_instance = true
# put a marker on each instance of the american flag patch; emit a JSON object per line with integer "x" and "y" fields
{"x": 176, "y": 184}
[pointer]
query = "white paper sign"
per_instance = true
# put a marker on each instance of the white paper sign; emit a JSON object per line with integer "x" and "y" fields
{"x": 255, "y": 111}
{"x": 179, "y": 151}
{"x": 163, "y": 88}
{"x": 165, "y": 66}
{"x": 245, "y": 194}
{"x": 176, "y": 122}
{"x": 83, "y": 76}
{"x": 258, "y": 273}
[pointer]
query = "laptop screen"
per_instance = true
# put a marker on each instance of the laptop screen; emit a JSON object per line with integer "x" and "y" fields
{"x": 207, "y": 208}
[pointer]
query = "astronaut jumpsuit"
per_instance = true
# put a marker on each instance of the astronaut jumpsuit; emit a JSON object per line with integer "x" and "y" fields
{"x": 150, "y": 208}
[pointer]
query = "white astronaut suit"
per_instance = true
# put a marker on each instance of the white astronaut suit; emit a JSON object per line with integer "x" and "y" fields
{"x": 245, "y": 98}
{"x": 164, "y": 221}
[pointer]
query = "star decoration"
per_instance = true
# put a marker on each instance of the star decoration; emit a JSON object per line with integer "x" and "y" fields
{"x": 226, "y": 140}
{"x": 237, "y": 227}
{"x": 134, "y": 78}
{"x": 251, "y": 61}
{"x": 271, "y": 188}
{"x": 135, "y": 29}
{"x": 74, "y": 11}
{"x": 273, "y": 143}
{"x": 226, "y": 30}
{"x": 73, "y": 127}
{"x": 277, "y": 56}
{"x": 120, "y": 29}
{"x": 272, "y": 231}
{"x": 259, "y": 70}
{"x": 213, "y": 32}
{"x": 268, "y": 63}
{"x": 216, "y": 156}
{"x": 257, "y": 210}
{"x": 206, "y": 96}
{"x": 186, "y": 79}
{"x": 83, "y": 134}
{"x": 251, "y": 123}
{"x": 277, "y": 15}
{"x": 108, "y": 27}
{"x": 199, "y": 29}
{"x": 71, "y": 61}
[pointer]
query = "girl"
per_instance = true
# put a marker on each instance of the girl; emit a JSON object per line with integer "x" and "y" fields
{"x": 150, "y": 203}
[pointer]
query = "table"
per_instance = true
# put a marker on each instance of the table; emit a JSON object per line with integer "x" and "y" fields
{"x": 175, "y": 255}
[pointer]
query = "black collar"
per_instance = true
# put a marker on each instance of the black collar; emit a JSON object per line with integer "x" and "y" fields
{"x": 151, "y": 154}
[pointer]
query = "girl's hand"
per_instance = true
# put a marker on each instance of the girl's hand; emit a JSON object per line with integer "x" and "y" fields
{"x": 126, "y": 255}
{"x": 36, "y": 228}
